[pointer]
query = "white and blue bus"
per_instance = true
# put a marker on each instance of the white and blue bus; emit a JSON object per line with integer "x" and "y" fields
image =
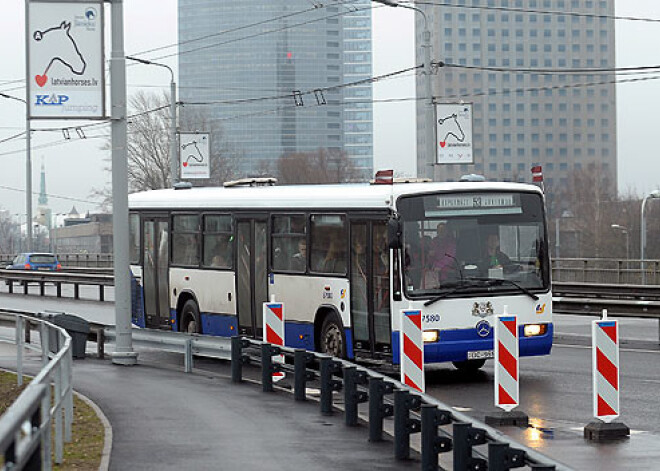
{"x": 345, "y": 259}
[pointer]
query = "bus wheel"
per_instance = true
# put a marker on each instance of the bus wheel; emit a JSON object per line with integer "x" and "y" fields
{"x": 190, "y": 321}
{"x": 469, "y": 365}
{"x": 332, "y": 337}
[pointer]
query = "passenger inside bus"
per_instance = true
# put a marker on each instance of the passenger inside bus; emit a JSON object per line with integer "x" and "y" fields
{"x": 299, "y": 259}
{"x": 335, "y": 258}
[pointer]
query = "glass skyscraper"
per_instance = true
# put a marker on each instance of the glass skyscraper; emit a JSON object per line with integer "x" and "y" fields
{"x": 517, "y": 63}
{"x": 272, "y": 74}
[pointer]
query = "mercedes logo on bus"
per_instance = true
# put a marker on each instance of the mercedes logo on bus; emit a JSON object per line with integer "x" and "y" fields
{"x": 483, "y": 328}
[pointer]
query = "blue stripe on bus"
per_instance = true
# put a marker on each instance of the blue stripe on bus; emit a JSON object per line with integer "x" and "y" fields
{"x": 453, "y": 345}
{"x": 223, "y": 325}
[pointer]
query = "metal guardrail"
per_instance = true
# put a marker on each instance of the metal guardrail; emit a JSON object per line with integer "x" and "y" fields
{"x": 606, "y": 270}
{"x": 590, "y": 299}
{"x": 475, "y": 445}
{"x": 25, "y": 277}
{"x": 25, "y": 428}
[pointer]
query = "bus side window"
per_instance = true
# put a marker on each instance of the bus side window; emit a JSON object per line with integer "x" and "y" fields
{"x": 289, "y": 243}
{"x": 218, "y": 241}
{"x": 328, "y": 238}
{"x": 185, "y": 240}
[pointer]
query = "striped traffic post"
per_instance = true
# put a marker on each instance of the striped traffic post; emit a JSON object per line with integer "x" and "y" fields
{"x": 412, "y": 349}
{"x": 274, "y": 323}
{"x": 507, "y": 388}
{"x": 507, "y": 377}
{"x": 605, "y": 363}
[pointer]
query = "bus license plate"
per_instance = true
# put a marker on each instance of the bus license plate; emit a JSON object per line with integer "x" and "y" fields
{"x": 480, "y": 355}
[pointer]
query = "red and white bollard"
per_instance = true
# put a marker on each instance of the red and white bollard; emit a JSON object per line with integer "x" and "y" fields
{"x": 507, "y": 388}
{"x": 274, "y": 330}
{"x": 605, "y": 363}
{"x": 412, "y": 349}
{"x": 507, "y": 372}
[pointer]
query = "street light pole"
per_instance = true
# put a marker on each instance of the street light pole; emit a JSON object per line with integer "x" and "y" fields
{"x": 174, "y": 164}
{"x": 625, "y": 232}
{"x": 28, "y": 166}
{"x": 653, "y": 194}
{"x": 429, "y": 127}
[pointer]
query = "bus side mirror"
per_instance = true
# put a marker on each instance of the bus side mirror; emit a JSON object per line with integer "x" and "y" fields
{"x": 394, "y": 233}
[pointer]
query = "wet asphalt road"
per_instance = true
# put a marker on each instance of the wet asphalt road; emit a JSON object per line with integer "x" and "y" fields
{"x": 555, "y": 390}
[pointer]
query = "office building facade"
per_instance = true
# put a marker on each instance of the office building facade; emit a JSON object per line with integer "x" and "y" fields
{"x": 517, "y": 65}
{"x": 270, "y": 75}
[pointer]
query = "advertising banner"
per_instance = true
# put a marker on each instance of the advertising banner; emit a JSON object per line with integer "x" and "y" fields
{"x": 195, "y": 152}
{"x": 454, "y": 133}
{"x": 65, "y": 58}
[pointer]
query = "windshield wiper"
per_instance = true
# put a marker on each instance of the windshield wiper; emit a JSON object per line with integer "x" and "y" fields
{"x": 499, "y": 281}
{"x": 465, "y": 283}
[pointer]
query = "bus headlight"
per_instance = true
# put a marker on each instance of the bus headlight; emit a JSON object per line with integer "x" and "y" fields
{"x": 534, "y": 330}
{"x": 430, "y": 336}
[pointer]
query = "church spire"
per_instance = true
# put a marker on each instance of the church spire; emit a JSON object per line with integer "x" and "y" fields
{"x": 43, "y": 198}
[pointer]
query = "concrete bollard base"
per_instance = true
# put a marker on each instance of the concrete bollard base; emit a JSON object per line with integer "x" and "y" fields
{"x": 513, "y": 418}
{"x": 601, "y": 431}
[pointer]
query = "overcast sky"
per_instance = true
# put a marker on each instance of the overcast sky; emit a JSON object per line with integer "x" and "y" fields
{"x": 75, "y": 167}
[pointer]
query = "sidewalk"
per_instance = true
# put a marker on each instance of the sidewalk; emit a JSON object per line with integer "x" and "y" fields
{"x": 165, "y": 419}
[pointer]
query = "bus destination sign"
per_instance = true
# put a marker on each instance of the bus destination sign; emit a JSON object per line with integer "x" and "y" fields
{"x": 476, "y": 201}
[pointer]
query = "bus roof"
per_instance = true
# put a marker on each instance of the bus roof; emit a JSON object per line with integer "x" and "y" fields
{"x": 344, "y": 196}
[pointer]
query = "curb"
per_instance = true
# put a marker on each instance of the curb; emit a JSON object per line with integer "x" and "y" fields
{"x": 107, "y": 435}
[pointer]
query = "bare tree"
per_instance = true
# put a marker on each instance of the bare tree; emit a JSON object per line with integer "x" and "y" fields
{"x": 149, "y": 145}
{"x": 322, "y": 166}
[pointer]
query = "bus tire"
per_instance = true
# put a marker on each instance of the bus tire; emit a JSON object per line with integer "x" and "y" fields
{"x": 469, "y": 366}
{"x": 332, "y": 340}
{"x": 190, "y": 319}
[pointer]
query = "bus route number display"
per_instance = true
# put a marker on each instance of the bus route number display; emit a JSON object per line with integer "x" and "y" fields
{"x": 476, "y": 201}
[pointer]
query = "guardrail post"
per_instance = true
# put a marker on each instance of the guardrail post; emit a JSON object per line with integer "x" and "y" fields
{"x": 432, "y": 444}
{"x": 238, "y": 359}
{"x": 328, "y": 385}
{"x": 34, "y": 462}
{"x": 45, "y": 340}
{"x": 68, "y": 397}
{"x": 19, "y": 350}
{"x": 11, "y": 286}
{"x": 404, "y": 402}
{"x": 42, "y": 288}
{"x": 76, "y": 291}
{"x": 301, "y": 359}
{"x": 25, "y": 287}
{"x": 352, "y": 395}
{"x": 101, "y": 293}
{"x": 465, "y": 437}
{"x": 58, "y": 287}
{"x": 501, "y": 457}
{"x": 59, "y": 409}
{"x": 378, "y": 410}
{"x": 267, "y": 365}
{"x": 188, "y": 357}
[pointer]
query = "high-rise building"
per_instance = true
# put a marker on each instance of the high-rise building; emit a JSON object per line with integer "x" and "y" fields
{"x": 272, "y": 75}
{"x": 525, "y": 67}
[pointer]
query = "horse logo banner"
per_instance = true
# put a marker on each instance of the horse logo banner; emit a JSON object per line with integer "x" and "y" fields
{"x": 453, "y": 133}
{"x": 65, "y": 59}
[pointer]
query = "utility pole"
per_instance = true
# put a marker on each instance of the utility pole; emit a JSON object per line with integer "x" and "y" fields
{"x": 124, "y": 354}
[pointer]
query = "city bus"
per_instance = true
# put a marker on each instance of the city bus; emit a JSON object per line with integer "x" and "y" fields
{"x": 345, "y": 260}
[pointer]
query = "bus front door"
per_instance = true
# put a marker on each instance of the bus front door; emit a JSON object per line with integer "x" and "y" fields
{"x": 155, "y": 273}
{"x": 251, "y": 275}
{"x": 370, "y": 288}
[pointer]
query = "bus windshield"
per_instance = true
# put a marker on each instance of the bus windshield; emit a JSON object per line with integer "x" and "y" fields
{"x": 458, "y": 244}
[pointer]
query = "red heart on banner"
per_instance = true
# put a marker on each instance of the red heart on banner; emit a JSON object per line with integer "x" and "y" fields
{"x": 41, "y": 79}
{"x": 185, "y": 164}
{"x": 443, "y": 144}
